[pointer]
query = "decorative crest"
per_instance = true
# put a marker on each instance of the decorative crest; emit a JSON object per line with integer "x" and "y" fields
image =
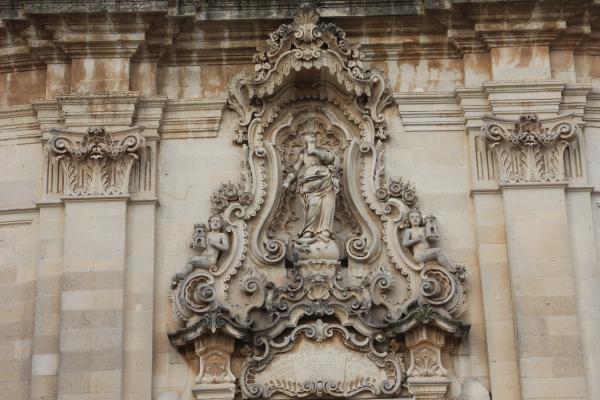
{"x": 306, "y": 37}
{"x": 307, "y": 44}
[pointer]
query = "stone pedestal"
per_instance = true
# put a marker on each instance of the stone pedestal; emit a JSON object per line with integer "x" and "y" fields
{"x": 427, "y": 377}
{"x": 214, "y": 391}
{"x": 215, "y": 379}
{"x": 428, "y": 388}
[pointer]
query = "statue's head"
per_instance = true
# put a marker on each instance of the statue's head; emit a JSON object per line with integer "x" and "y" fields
{"x": 310, "y": 137}
{"x": 415, "y": 218}
{"x": 215, "y": 222}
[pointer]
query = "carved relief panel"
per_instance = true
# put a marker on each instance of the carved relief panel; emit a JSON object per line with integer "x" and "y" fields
{"x": 97, "y": 162}
{"x": 531, "y": 150}
{"x": 317, "y": 259}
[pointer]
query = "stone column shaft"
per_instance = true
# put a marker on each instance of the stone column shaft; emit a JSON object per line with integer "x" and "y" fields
{"x": 44, "y": 363}
{"x": 139, "y": 302}
{"x": 543, "y": 290}
{"x": 497, "y": 296}
{"x": 91, "y": 335}
{"x": 586, "y": 275}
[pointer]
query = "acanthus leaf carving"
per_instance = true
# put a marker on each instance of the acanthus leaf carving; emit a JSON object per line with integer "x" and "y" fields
{"x": 96, "y": 162}
{"x": 529, "y": 149}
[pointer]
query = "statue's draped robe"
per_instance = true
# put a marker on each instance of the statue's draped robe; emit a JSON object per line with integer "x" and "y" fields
{"x": 318, "y": 188}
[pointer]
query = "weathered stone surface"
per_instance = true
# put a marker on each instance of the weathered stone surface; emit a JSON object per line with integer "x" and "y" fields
{"x": 488, "y": 110}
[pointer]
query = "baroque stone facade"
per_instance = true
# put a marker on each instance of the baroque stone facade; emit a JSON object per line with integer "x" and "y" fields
{"x": 223, "y": 200}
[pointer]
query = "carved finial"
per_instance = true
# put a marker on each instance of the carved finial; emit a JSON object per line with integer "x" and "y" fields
{"x": 307, "y": 37}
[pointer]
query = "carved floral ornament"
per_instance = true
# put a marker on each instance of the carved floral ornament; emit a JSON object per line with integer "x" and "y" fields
{"x": 528, "y": 149}
{"x": 316, "y": 254}
{"x": 96, "y": 162}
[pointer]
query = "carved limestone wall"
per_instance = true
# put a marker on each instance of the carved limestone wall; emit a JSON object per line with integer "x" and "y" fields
{"x": 184, "y": 216}
{"x": 318, "y": 259}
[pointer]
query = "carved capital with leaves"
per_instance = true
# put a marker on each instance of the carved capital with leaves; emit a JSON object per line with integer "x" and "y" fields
{"x": 96, "y": 162}
{"x": 529, "y": 149}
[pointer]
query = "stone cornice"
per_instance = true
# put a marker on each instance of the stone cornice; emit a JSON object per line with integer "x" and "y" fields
{"x": 467, "y": 40}
{"x": 411, "y": 48}
{"x": 591, "y": 113}
{"x": 511, "y": 98}
{"x": 284, "y": 9}
{"x": 571, "y": 37}
{"x": 220, "y": 33}
{"x": 15, "y": 55}
{"x": 19, "y": 123}
{"x": 474, "y": 104}
{"x": 192, "y": 118}
{"x": 590, "y": 45}
{"x": 149, "y": 113}
{"x": 103, "y": 109}
{"x": 98, "y": 36}
{"x": 49, "y": 114}
{"x": 92, "y": 6}
{"x": 437, "y": 111}
{"x": 158, "y": 39}
{"x": 575, "y": 98}
{"x": 533, "y": 33}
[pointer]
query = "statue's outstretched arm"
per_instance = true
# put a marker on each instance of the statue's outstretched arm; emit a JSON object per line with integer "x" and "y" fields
{"x": 292, "y": 175}
{"x": 324, "y": 155}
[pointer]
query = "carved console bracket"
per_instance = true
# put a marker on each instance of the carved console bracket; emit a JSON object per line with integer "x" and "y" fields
{"x": 96, "y": 162}
{"x": 215, "y": 379}
{"x": 316, "y": 272}
{"x": 529, "y": 149}
{"x": 427, "y": 335}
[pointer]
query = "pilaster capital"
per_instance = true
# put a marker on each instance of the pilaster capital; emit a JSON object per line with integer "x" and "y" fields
{"x": 529, "y": 149}
{"x": 96, "y": 162}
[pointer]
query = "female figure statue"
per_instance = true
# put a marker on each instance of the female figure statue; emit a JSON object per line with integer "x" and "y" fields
{"x": 317, "y": 187}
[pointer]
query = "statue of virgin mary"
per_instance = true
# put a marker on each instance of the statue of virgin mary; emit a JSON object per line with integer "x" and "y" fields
{"x": 317, "y": 185}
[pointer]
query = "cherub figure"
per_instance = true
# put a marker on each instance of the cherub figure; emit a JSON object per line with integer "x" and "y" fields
{"x": 418, "y": 241}
{"x": 211, "y": 245}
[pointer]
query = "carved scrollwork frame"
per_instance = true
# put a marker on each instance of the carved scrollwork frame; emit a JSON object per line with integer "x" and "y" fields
{"x": 310, "y": 75}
